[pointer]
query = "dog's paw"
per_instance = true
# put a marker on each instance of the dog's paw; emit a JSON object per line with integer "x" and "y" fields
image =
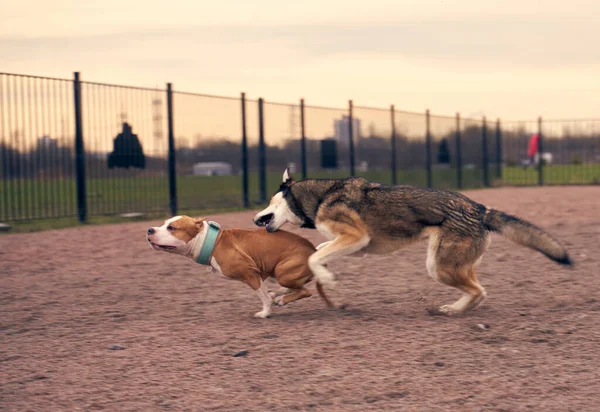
{"x": 278, "y": 301}
{"x": 447, "y": 309}
{"x": 262, "y": 314}
{"x": 272, "y": 294}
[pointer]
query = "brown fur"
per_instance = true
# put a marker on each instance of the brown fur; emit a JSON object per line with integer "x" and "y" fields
{"x": 360, "y": 217}
{"x": 186, "y": 228}
{"x": 252, "y": 256}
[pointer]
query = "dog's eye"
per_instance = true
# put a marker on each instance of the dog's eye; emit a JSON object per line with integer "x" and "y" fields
{"x": 170, "y": 227}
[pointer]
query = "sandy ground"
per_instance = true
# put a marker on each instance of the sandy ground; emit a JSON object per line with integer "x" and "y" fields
{"x": 67, "y": 297}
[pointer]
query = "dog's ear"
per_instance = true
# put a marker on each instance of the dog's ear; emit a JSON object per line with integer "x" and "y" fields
{"x": 287, "y": 176}
{"x": 199, "y": 221}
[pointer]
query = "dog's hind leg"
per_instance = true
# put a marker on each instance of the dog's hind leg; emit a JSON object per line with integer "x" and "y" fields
{"x": 451, "y": 262}
{"x": 464, "y": 280}
{"x": 281, "y": 291}
{"x": 292, "y": 274}
{"x": 291, "y": 297}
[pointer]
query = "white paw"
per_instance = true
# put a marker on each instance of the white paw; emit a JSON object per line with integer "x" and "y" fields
{"x": 278, "y": 301}
{"x": 447, "y": 309}
{"x": 262, "y": 314}
{"x": 272, "y": 294}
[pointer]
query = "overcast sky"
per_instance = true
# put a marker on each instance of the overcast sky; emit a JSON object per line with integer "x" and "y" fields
{"x": 514, "y": 58}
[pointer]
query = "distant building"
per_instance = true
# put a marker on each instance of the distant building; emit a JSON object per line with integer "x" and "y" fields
{"x": 212, "y": 169}
{"x": 342, "y": 129}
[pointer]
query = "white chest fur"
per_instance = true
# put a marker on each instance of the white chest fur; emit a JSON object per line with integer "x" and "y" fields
{"x": 214, "y": 265}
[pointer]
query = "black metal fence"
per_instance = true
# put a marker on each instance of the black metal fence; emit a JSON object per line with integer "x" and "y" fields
{"x": 70, "y": 148}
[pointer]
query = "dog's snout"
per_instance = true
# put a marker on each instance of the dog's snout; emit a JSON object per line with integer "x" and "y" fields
{"x": 263, "y": 220}
{"x": 151, "y": 231}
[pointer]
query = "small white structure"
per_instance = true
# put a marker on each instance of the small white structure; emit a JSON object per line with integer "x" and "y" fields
{"x": 212, "y": 169}
{"x": 546, "y": 156}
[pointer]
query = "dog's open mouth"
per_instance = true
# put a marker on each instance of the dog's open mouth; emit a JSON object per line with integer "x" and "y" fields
{"x": 163, "y": 247}
{"x": 264, "y": 220}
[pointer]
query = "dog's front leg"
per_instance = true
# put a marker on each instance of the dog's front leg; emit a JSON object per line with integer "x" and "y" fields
{"x": 266, "y": 299}
{"x": 322, "y": 245}
{"x": 253, "y": 279}
{"x": 343, "y": 245}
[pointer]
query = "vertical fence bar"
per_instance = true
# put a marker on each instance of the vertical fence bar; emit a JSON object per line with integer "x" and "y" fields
{"x": 171, "y": 158}
{"x": 303, "y": 140}
{"x": 428, "y": 149}
{"x": 484, "y": 153}
{"x": 498, "y": 150}
{"x": 44, "y": 161}
{"x": 10, "y": 169}
{"x": 244, "y": 154}
{"x": 79, "y": 152}
{"x": 393, "y": 141}
{"x": 4, "y": 166}
{"x": 66, "y": 191}
{"x": 262, "y": 155}
{"x": 11, "y": 163}
{"x": 17, "y": 145}
{"x": 31, "y": 139}
{"x": 540, "y": 152}
{"x": 55, "y": 167}
{"x": 459, "y": 176}
{"x": 351, "y": 137}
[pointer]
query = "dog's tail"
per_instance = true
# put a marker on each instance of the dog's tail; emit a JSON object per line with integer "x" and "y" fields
{"x": 527, "y": 234}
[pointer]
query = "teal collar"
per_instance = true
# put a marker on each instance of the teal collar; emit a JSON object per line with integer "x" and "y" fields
{"x": 209, "y": 243}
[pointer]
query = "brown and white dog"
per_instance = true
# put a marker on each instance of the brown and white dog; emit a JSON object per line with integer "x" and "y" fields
{"x": 250, "y": 256}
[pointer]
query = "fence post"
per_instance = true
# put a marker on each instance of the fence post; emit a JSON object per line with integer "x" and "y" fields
{"x": 459, "y": 176}
{"x": 428, "y": 150}
{"x": 303, "y": 140}
{"x": 484, "y": 153}
{"x": 244, "y": 154}
{"x": 392, "y": 112}
{"x": 498, "y": 150}
{"x": 79, "y": 152}
{"x": 540, "y": 151}
{"x": 172, "y": 165}
{"x": 262, "y": 157}
{"x": 351, "y": 133}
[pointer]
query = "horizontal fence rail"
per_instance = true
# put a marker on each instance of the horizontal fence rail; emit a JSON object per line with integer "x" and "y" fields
{"x": 70, "y": 148}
